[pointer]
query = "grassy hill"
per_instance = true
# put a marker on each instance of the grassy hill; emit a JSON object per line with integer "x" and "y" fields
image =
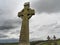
{"x": 45, "y": 42}
{"x": 36, "y": 42}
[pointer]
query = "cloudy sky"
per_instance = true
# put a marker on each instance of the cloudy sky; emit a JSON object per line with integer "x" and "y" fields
{"x": 46, "y": 20}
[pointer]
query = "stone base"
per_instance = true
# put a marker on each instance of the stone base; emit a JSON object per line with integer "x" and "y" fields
{"x": 24, "y": 44}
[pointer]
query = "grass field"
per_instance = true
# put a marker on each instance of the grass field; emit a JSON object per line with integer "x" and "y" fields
{"x": 35, "y": 43}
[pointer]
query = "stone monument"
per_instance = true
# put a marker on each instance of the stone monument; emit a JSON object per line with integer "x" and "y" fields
{"x": 25, "y": 14}
{"x": 49, "y": 40}
{"x": 55, "y": 41}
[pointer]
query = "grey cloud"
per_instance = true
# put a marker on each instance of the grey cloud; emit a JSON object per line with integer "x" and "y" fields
{"x": 1, "y": 12}
{"x": 7, "y": 10}
{"x": 51, "y": 28}
{"x": 49, "y": 6}
{"x": 10, "y": 24}
{"x": 58, "y": 26}
{"x": 15, "y": 32}
{"x": 8, "y": 19}
{"x": 3, "y": 36}
{"x": 6, "y": 27}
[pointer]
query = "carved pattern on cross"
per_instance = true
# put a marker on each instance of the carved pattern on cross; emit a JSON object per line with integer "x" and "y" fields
{"x": 24, "y": 12}
{"x": 27, "y": 12}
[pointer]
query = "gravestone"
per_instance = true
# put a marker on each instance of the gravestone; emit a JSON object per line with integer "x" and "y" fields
{"x": 49, "y": 40}
{"x": 55, "y": 41}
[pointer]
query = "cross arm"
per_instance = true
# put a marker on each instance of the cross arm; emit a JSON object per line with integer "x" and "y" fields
{"x": 20, "y": 14}
{"x": 31, "y": 13}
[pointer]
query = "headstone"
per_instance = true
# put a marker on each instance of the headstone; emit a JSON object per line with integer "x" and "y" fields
{"x": 49, "y": 40}
{"x": 54, "y": 37}
{"x": 55, "y": 41}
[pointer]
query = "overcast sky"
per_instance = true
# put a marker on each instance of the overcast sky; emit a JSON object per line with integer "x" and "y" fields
{"x": 46, "y": 20}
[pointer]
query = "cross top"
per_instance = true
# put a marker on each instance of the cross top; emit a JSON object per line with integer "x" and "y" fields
{"x": 27, "y": 12}
{"x": 27, "y": 3}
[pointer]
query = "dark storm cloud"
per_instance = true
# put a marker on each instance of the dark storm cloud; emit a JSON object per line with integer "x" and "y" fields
{"x": 3, "y": 36}
{"x": 10, "y": 24}
{"x": 6, "y": 27}
{"x": 49, "y": 6}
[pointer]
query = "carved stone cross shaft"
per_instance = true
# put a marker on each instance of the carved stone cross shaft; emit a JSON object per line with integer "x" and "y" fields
{"x": 25, "y": 14}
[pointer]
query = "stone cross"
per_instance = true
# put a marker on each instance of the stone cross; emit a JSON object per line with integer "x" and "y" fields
{"x": 25, "y": 14}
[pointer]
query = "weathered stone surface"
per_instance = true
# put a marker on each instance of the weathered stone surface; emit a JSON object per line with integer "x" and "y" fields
{"x": 25, "y": 14}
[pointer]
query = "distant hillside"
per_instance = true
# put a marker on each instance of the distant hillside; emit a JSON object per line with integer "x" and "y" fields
{"x": 45, "y": 42}
{"x": 35, "y": 43}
